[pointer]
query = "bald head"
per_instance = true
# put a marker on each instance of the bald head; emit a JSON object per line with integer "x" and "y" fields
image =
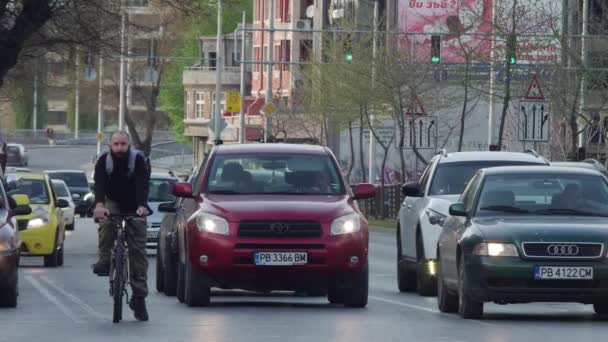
{"x": 119, "y": 144}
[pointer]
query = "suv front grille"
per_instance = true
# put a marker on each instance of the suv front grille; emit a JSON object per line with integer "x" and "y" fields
{"x": 563, "y": 249}
{"x": 280, "y": 229}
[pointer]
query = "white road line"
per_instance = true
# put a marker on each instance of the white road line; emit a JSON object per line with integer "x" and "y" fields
{"x": 75, "y": 299}
{"x": 71, "y": 315}
{"x": 421, "y": 308}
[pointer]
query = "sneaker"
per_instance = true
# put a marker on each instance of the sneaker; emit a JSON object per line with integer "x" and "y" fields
{"x": 102, "y": 269}
{"x": 138, "y": 305}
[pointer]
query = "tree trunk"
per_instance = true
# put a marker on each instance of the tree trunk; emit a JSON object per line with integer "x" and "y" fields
{"x": 361, "y": 155}
{"x": 352, "y": 151}
{"x": 464, "y": 106}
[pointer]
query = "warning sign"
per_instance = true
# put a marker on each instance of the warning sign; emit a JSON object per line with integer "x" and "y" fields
{"x": 415, "y": 109}
{"x": 534, "y": 92}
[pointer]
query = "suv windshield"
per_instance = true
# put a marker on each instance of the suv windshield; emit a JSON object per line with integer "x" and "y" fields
{"x": 544, "y": 194}
{"x": 160, "y": 190}
{"x": 452, "y": 178}
{"x": 72, "y": 179}
{"x": 304, "y": 174}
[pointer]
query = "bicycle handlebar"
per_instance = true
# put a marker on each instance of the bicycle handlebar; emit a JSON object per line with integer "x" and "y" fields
{"x": 122, "y": 215}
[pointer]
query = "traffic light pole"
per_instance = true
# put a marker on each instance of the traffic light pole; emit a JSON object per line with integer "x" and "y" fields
{"x": 267, "y": 123}
{"x": 219, "y": 64}
{"x": 243, "y": 127}
{"x": 372, "y": 143}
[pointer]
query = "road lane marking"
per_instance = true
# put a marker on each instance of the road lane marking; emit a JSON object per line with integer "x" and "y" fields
{"x": 75, "y": 299}
{"x": 421, "y": 308}
{"x": 45, "y": 292}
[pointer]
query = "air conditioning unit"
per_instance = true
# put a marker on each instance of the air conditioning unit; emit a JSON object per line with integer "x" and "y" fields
{"x": 304, "y": 24}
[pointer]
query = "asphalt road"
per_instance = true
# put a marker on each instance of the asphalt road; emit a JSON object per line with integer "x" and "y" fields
{"x": 70, "y": 303}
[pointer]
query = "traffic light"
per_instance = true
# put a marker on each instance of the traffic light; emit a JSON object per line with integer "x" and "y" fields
{"x": 349, "y": 56}
{"x": 511, "y": 50}
{"x": 347, "y": 47}
{"x": 435, "y": 49}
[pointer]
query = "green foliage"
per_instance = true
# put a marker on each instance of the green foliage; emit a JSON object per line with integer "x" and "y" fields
{"x": 172, "y": 89}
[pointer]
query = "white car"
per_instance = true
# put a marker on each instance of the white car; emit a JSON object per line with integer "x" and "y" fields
{"x": 159, "y": 192}
{"x": 426, "y": 206}
{"x": 63, "y": 192}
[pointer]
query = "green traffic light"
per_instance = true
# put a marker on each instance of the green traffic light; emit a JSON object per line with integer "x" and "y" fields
{"x": 512, "y": 60}
{"x": 349, "y": 57}
{"x": 435, "y": 59}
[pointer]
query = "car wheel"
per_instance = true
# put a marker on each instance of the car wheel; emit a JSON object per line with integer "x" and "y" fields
{"x": 60, "y": 256}
{"x": 180, "y": 282}
{"x": 160, "y": 276}
{"x": 52, "y": 260}
{"x": 425, "y": 281}
{"x": 170, "y": 273}
{"x": 356, "y": 297}
{"x": 70, "y": 226}
{"x": 335, "y": 296}
{"x": 8, "y": 295}
{"x": 405, "y": 278}
{"x": 197, "y": 287}
{"x": 446, "y": 301}
{"x": 467, "y": 307}
{"x": 601, "y": 308}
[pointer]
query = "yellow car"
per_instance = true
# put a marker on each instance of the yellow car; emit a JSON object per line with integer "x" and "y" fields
{"x": 42, "y": 231}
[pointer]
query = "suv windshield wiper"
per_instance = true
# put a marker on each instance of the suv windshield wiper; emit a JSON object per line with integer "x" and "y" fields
{"x": 505, "y": 208}
{"x": 568, "y": 211}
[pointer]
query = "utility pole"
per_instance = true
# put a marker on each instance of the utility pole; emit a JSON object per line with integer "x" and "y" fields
{"x": 100, "y": 105}
{"x": 372, "y": 143}
{"x": 492, "y": 81}
{"x": 218, "y": 74}
{"x": 35, "y": 112}
{"x": 242, "y": 126}
{"x": 267, "y": 123}
{"x": 77, "y": 97}
{"x": 582, "y": 100}
{"x": 121, "y": 101}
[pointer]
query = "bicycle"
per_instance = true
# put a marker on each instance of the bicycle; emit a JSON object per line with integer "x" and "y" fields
{"x": 119, "y": 264}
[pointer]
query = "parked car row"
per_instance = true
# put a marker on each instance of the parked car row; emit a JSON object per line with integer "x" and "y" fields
{"x": 506, "y": 228}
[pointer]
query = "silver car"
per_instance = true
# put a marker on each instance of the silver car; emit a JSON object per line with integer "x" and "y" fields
{"x": 159, "y": 192}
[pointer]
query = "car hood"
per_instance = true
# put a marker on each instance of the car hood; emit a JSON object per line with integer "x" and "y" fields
{"x": 236, "y": 208}
{"x": 519, "y": 229}
{"x": 441, "y": 203}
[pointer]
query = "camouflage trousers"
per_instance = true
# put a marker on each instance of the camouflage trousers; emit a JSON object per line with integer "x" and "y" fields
{"x": 135, "y": 236}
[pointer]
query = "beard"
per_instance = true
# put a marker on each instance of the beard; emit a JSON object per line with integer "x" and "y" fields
{"x": 120, "y": 155}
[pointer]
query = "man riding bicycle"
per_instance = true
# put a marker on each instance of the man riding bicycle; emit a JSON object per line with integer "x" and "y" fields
{"x": 121, "y": 181}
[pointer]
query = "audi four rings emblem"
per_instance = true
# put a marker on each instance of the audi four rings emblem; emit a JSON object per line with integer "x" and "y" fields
{"x": 279, "y": 228}
{"x": 562, "y": 250}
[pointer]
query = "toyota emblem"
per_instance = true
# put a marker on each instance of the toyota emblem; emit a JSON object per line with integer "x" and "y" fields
{"x": 562, "y": 250}
{"x": 279, "y": 228}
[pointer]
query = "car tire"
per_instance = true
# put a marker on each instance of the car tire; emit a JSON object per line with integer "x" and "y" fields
{"x": 446, "y": 301}
{"x": 468, "y": 308}
{"x": 8, "y": 295}
{"x": 52, "y": 260}
{"x": 60, "y": 256}
{"x": 426, "y": 284}
{"x": 197, "y": 287}
{"x": 356, "y": 296}
{"x": 160, "y": 274}
{"x": 180, "y": 282}
{"x": 601, "y": 308}
{"x": 169, "y": 271}
{"x": 70, "y": 226}
{"x": 335, "y": 296}
{"x": 405, "y": 278}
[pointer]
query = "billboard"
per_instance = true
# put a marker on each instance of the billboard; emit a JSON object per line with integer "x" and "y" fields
{"x": 422, "y": 18}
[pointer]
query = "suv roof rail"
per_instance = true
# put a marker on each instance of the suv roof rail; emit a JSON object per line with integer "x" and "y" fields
{"x": 443, "y": 152}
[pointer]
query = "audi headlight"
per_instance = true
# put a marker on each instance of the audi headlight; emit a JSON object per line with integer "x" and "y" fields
{"x": 346, "y": 224}
{"x": 495, "y": 249}
{"x": 212, "y": 224}
{"x": 38, "y": 222}
{"x": 435, "y": 218}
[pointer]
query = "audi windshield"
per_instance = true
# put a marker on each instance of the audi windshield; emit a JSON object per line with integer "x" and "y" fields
{"x": 544, "y": 194}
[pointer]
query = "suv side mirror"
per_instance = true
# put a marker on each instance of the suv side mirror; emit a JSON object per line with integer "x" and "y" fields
{"x": 182, "y": 190}
{"x": 412, "y": 189}
{"x": 457, "y": 209}
{"x": 166, "y": 207}
{"x": 364, "y": 191}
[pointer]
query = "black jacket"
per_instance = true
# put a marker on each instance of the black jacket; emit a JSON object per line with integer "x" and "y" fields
{"x": 130, "y": 192}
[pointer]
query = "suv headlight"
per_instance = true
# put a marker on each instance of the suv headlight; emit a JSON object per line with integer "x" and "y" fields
{"x": 212, "y": 223}
{"x": 495, "y": 249}
{"x": 346, "y": 224}
{"x": 5, "y": 246}
{"x": 38, "y": 222}
{"x": 435, "y": 217}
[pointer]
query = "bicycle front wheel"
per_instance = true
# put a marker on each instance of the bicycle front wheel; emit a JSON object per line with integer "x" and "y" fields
{"x": 118, "y": 284}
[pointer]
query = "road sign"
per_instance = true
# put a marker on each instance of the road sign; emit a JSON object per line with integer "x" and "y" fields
{"x": 534, "y": 121}
{"x": 534, "y": 91}
{"x": 233, "y": 102}
{"x": 415, "y": 108}
{"x": 269, "y": 108}
{"x": 421, "y": 132}
{"x": 100, "y": 136}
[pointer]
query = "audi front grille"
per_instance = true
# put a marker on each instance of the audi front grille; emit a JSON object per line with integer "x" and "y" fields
{"x": 563, "y": 250}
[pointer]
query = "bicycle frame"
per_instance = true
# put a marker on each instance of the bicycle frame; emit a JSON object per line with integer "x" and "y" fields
{"x": 119, "y": 265}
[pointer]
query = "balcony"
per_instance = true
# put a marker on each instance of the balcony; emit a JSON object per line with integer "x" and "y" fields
{"x": 206, "y": 76}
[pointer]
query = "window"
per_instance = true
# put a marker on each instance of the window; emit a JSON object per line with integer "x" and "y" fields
{"x": 236, "y": 59}
{"x": 212, "y": 60}
{"x": 200, "y": 104}
{"x": 72, "y": 179}
{"x": 160, "y": 190}
{"x": 285, "y": 54}
{"x": 152, "y": 52}
{"x": 256, "y": 56}
{"x": 223, "y": 104}
{"x": 134, "y": 3}
{"x": 35, "y": 189}
{"x": 201, "y": 51}
{"x": 305, "y": 50}
{"x": 274, "y": 173}
{"x": 284, "y": 13}
{"x": 188, "y": 103}
{"x": 60, "y": 189}
{"x": 468, "y": 196}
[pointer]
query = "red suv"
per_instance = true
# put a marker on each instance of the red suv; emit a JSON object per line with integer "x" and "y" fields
{"x": 264, "y": 217}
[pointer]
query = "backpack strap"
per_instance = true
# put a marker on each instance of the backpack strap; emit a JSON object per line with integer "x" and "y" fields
{"x": 109, "y": 164}
{"x": 132, "y": 158}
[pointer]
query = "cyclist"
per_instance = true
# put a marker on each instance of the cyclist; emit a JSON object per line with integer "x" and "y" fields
{"x": 121, "y": 181}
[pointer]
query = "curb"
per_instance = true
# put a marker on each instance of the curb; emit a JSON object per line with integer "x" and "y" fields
{"x": 382, "y": 229}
